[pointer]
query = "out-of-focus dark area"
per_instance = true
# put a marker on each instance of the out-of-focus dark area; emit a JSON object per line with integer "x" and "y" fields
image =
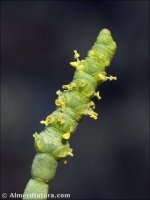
{"x": 37, "y": 43}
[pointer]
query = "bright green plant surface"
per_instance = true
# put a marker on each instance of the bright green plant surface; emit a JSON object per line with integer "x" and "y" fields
{"x": 71, "y": 105}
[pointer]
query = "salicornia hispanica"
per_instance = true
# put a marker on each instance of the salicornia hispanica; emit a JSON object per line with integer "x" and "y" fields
{"x": 71, "y": 105}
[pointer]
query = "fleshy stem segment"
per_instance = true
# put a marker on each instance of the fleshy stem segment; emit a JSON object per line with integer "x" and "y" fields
{"x": 71, "y": 105}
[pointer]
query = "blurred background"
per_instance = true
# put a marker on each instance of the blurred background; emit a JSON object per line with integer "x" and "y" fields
{"x": 37, "y": 42}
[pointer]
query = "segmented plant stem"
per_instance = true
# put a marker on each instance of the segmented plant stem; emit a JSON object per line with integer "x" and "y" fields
{"x": 52, "y": 144}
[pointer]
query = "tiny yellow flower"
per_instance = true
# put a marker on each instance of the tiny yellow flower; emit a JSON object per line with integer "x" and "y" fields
{"x": 76, "y": 54}
{"x": 61, "y": 119}
{"x": 111, "y": 78}
{"x": 44, "y": 122}
{"x": 66, "y": 86}
{"x": 91, "y": 105}
{"x": 66, "y": 136}
{"x": 58, "y": 92}
{"x": 102, "y": 77}
{"x": 97, "y": 95}
{"x": 74, "y": 64}
{"x": 60, "y": 103}
{"x": 93, "y": 114}
{"x": 70, "y": 152}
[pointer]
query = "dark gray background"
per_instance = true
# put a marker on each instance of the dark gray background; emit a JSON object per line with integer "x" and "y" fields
{"x": 38, "y": 39}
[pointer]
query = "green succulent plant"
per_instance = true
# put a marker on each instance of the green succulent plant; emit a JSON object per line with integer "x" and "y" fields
{"x": 74, "y": 102}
